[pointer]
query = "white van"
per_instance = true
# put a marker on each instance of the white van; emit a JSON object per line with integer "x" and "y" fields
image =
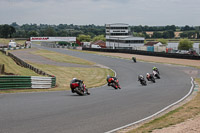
{"x": 12, "y": 44}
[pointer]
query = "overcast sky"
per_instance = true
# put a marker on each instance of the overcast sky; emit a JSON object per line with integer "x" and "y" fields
{"x": 100, "y": 12}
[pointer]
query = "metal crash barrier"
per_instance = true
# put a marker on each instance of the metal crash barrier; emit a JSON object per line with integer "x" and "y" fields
{"x": 22, "y": 82}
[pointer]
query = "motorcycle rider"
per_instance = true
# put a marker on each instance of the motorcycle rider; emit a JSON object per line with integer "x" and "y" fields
{"x": 80, "y": 83}
{"x": 110, "y": 79}
{"x": 140, "y": 78}
{"x": 149, "y": 76}
{"x": 155, "y": 69}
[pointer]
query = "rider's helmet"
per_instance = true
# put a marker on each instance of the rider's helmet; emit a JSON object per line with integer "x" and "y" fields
{"x": 154, "y": 68}
{"x": 108, "y": 76}
{"x": 148, "y": 74}
{"x": 74, "y": 78}
{"x": 140, "y": 76}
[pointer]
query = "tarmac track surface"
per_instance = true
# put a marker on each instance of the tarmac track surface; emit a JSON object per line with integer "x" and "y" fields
{"x": 105, "y": 109}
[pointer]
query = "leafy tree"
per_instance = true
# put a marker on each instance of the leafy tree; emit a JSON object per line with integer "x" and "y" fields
{"x": 183, "y": 35}
{"x": 7, "y": 30}
{"x": 157, "y": 35}
{"x": 50, "y": 32}
{"x": 99, "y": 37}
{"x": 32, "y": 33}
{"x": 163, "y": 41}
{"x": 84, "y": 38}
{"x": 185, "y": 44}
{"x": 168, "y": 34}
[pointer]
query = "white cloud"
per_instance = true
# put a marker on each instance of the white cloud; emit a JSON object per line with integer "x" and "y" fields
{"x": 133, "y": 12}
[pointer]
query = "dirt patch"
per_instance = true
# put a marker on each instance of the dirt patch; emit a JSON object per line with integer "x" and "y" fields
{"x": 189, "y": 126}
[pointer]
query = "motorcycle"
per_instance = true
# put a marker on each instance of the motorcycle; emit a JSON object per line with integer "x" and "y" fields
{"x": 79, "y": 89}
{"x": 143, "y": 81}
{"x": 156, "y": 69}
{"x": 152, "y": 79}
{"x": 114, "y": 83}
{"x": 156, "y": 74}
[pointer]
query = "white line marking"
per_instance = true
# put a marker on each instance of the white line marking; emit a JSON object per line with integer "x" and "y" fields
{"x": 191, "y": 89}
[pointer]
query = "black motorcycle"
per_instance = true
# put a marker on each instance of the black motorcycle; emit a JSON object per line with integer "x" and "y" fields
{"x": 143, "y": 82}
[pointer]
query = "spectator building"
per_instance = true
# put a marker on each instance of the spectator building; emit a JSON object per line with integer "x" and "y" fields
{"x": 118, "y": 36}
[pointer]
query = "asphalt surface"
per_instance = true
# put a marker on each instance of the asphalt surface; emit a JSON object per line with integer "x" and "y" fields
{"x": 105, "y": 109}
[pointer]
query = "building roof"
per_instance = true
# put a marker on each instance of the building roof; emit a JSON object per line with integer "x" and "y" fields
{"x": 97, "y": 42}
{"x": 117, "y": 25}
{"x": 125, "y": 38}
{"x": 150, "y": 43}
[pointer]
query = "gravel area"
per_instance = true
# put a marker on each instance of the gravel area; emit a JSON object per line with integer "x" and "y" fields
{"x": 189, "y": 126}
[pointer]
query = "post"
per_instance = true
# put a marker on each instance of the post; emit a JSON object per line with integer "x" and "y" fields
{"x": 2, "y": 68}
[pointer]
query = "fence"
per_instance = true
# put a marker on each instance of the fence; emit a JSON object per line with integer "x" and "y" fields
{"x": 159, "y": 54}
{"x": 11, "y": 82}
{"x": 22, "y": 82}
{"x": 13, "y": 48}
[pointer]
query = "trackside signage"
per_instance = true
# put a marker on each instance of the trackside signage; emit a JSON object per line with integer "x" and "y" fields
{"x": 54, "y": 39}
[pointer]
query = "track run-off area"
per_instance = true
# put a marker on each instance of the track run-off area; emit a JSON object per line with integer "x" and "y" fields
{"x": 102, "y": 111}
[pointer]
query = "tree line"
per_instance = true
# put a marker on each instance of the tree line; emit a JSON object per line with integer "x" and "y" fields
{"x": 90, "y": 31}
{"x": 191, "y": 32}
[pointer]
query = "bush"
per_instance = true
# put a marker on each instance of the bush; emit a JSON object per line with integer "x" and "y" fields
{"x": 63, "y": 43}
{"x": 74, "y": 45}
{"x": 185, "y": 44}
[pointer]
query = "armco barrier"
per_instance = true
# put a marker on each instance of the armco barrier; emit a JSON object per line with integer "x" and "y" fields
{"x": 21, "y": 82}
{"x": 12, "y": 82}
{"x": 159, "y": 54}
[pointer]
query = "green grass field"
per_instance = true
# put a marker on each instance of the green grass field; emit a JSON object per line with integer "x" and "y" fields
{"x": 6, "y": 41}
{"x": 12, "y": 67}
{"x": 62, "y": 57}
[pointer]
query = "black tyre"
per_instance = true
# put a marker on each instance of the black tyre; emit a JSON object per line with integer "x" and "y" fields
{"x": 144, "y": 83}
{"x": 79, "y": 91}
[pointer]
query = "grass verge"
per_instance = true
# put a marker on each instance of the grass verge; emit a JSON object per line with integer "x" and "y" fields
{"x": 6, "y": 41}
{"x": 12, "y": 67}
{"x": 92, "y": 77}
{"x": 188, "y": 110}
{"x": 62, "y": 57}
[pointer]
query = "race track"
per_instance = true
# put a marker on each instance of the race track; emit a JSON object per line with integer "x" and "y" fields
{"x": 105, "y": 109}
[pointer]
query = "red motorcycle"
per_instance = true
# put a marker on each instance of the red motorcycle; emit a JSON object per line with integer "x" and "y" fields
{"x": 114, "y": 83}
{"x": 79, "y": 89}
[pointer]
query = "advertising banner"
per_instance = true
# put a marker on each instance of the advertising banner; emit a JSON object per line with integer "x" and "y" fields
{"x": 53, "y": 39}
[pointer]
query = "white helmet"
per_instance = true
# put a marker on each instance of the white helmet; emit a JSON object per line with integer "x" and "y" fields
{"x": 148, "y": 74}
{"x": 141, "y": 76}
{"x": 74, "y": 78}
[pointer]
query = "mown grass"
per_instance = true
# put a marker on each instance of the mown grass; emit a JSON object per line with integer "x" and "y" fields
{"x": 188, "y": 110}
{"x": 92, "y": 77}
{"x": 6, "y": 41}
{"x": 62, "y": 57}
{"x": 12, "y": 67}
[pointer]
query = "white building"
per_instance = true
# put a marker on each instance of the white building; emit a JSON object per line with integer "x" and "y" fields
{"x": 118, "y": 36}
